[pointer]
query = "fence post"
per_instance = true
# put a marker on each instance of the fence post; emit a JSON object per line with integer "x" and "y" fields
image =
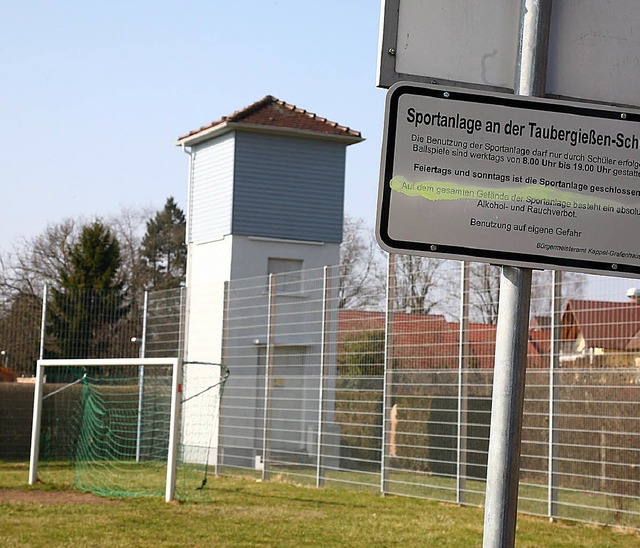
{"x": 387, "y": 378}
{"x": 181, "y": 322}
{"x": 554, "y": 353}
{"x": 324, "y": 365}
{"x": 145, "y": 316}
{"x": 268, "y": 372}
{"x": 463, "y": 387}
{"x": 143, "y": 343}
{"x": 223, "y": 362}
{"x": 43, "y": 322}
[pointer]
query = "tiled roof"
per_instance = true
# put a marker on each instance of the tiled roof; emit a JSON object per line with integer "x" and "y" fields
{"x": 603, "y": 324}
{"x": 424, "y": 342}
{"x": 274, "y": 113}
{"x": 482, "y": 339}
{"x": 543, "y": 322}
{"x": 540, "y": 339}
{"x": 431, "y": 342}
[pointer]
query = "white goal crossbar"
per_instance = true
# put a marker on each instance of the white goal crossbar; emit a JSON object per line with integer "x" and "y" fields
{"x": 176, "y": 388}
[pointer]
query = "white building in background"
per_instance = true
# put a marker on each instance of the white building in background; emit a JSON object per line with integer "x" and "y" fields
{"x": 266, "y": 195}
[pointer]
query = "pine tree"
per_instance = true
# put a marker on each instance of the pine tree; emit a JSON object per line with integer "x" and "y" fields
{"x": 91, "y": 299}
{"x": 164, "y": 250}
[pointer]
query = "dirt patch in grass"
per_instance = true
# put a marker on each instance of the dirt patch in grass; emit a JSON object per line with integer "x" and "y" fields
{"x": 19, "y": 496}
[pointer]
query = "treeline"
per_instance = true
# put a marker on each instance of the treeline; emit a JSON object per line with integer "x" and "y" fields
{"x": 96, "y": 273}
{"x": 425, "y": 285}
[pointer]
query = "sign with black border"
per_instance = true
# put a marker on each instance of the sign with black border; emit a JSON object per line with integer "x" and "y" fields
{"x": 499, "y": 178}
{"x": 472, "y": 44}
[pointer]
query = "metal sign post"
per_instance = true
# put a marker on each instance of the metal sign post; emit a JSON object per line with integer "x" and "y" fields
{"x": 520, "y": 180}
{"x": 501, "y": 501}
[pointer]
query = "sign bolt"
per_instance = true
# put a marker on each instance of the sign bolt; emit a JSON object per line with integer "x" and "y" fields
{"x": 391, "y": 51}
{"x": 623, "y": 115}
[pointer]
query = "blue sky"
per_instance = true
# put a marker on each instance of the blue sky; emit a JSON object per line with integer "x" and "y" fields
{"x": 94, "y": 94}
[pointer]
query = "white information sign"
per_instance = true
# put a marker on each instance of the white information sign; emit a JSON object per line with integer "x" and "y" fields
{"x": 449, "y": 41}
{"x": 510, "y": 180}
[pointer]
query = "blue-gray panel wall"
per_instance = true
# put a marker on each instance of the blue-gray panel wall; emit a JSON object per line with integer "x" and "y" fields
{"x": 288, "y": 188}
{"x": 211, "y": 189}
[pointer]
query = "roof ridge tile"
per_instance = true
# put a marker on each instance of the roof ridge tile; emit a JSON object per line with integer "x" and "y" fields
{"x": 264, "y": 112}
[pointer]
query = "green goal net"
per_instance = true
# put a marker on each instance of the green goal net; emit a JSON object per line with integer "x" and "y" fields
{"x": 110, "y": 427}
{"x": 126, "y": 427}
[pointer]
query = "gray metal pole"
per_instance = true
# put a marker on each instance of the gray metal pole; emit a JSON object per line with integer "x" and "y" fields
{"x": 533, "y": 47}
{"x": 501, "y": 502}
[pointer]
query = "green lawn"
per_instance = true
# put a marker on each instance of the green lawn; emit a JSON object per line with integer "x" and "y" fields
{"x": 233, "y": 511}
{"x": 572, "y": 504}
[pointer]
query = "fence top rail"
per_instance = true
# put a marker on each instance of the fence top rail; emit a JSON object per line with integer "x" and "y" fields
{"x": 101, "y": 362}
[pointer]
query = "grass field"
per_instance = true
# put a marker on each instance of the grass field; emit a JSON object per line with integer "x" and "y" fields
{"x": 572, "y": 504}
{"x": 233, "y": 511}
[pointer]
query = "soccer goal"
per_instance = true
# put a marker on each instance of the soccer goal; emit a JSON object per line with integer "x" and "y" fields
{"x": 113, "y": 422}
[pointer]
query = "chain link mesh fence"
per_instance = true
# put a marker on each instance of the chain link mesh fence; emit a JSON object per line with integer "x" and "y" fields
{"x": 385, "y": 388}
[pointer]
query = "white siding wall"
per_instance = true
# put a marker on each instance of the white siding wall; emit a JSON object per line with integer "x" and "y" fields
{"x": 209, "y": 268}
{"x": 211, "y": 192}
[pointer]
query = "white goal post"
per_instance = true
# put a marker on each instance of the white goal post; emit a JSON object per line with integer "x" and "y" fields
{"x": 176, "y": 387}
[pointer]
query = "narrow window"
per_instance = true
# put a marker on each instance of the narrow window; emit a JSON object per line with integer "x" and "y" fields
{"x": 288, "y": 273}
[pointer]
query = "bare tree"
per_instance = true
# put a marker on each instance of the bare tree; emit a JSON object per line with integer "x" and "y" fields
{"x": 424, "y": 285}
{"x": 45, "y": 260}
{"x": 572, "y": 286}
{"x": 128, "y": 226}
{"x": 38, "y": 261}
{"x": 23, "y": 273}
{"x": 484, "y": 293}
{"x": 361, "y": 269}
